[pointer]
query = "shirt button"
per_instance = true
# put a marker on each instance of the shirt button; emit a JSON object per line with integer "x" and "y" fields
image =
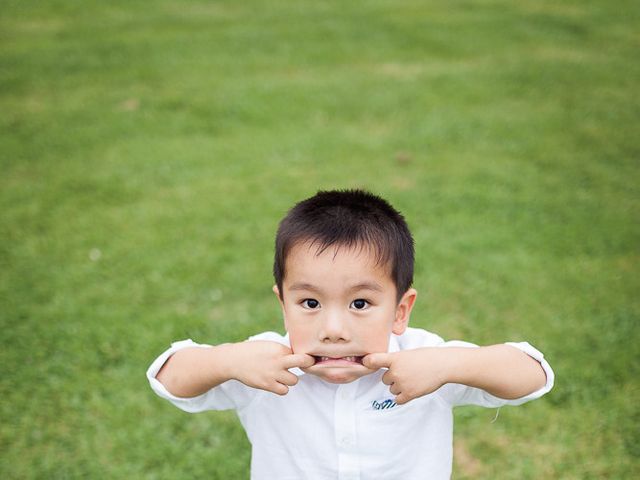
{"x": 345, "y": 441}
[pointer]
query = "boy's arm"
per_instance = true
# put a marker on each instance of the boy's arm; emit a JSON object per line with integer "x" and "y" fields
{"x": 190, "y": 372}
{"x": 501, "y": 370}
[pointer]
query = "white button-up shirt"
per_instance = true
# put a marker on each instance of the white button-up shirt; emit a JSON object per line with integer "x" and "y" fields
{"x": 353, "y": 431}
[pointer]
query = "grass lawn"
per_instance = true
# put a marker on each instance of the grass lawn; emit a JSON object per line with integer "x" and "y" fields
{"x": 148, "y": 150}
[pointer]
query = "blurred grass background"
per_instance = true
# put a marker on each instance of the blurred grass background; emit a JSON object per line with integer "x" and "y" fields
{"x": 148, "y": 150}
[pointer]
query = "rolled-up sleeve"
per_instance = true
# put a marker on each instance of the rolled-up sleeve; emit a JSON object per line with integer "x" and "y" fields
{"x": 457, "y": 394}
{"x": 536, "y": 355}
{"x": 229, "y": 395}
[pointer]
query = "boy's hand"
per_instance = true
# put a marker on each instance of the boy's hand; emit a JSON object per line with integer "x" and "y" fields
{"x": 265, "y": 365}
{"x": 411, "y": 373}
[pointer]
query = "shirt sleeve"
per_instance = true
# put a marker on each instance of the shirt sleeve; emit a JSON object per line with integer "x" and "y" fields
{"x": 457, "y": 394}
{"x": 228, "y": 395}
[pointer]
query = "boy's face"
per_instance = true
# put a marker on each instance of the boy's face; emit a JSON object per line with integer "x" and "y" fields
{"x": 339, "y": 306}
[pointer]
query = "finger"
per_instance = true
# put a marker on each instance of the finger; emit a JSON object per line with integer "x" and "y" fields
{"x": 278, "y": 388}
{"x": 299, "y": 360}
{"x": 395, "y": 389}
{"x": 387, "y": 378}
{"x": 287, "y": 378}
{"x": 271, "y": 346}
{"x": 284, "y": 349}
{"x": 375, "y": 361}
{"x": 402, "y": 399}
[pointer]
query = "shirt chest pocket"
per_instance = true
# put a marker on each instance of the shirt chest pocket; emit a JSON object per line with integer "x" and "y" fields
{"x": 386, "y": 433}
{"x": 385, "y": 423}
{"x": 387, "y": 419}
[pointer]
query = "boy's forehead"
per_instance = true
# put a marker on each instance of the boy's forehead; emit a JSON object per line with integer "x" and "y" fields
{"x": 304, "y": 255}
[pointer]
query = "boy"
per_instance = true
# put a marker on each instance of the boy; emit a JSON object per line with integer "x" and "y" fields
{"x": 351, "y": 392}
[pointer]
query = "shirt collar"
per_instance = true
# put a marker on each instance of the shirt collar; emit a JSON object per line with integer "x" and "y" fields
{"x": 394, "y": 345}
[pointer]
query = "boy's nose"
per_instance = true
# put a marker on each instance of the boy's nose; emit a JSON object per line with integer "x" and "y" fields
{"x": 333, "y": 329}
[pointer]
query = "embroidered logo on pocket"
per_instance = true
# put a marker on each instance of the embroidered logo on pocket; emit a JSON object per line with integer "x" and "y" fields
{"x": 384, "y": 404}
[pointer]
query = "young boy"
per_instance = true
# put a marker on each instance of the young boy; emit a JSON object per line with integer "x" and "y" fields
{"x": 350, "y": 392}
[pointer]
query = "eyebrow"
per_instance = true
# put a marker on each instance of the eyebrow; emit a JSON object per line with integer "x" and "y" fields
{"x": 367, "y": 286}
{"x": 304, "y": 286}
{"x": 359, "y": 286}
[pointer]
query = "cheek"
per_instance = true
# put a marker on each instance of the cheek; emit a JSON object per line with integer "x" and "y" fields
{"x": 379, "y": 344}
{"x": 299, "y": 336}
{"x": 377, "y": 336}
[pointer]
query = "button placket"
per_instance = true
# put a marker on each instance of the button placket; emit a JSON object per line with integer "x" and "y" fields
{"x": 345, "y": 431}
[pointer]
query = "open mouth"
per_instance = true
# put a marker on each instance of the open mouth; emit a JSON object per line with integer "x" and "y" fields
{"x": 351, "y": 359}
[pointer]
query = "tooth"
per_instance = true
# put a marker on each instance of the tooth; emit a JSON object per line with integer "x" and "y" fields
{"x": 349, "y": 358}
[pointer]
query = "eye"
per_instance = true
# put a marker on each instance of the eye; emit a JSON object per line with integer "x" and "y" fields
{"x": 359, "y": 304}
{"x": 310, "y": 303}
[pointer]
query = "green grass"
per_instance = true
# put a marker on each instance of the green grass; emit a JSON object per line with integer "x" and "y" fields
{"x": 148, "y": 151}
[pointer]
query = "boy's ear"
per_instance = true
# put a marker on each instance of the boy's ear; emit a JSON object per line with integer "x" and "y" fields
{"x": 280, "y": 300}
{"x": 403, "y": 311}
{"x": 277, "y": 292}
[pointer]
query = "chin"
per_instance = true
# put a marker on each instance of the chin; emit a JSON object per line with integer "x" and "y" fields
{"x": 339, "y": 379}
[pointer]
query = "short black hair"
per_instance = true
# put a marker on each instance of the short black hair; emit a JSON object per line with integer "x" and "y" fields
{"x": 348, "y": 218}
